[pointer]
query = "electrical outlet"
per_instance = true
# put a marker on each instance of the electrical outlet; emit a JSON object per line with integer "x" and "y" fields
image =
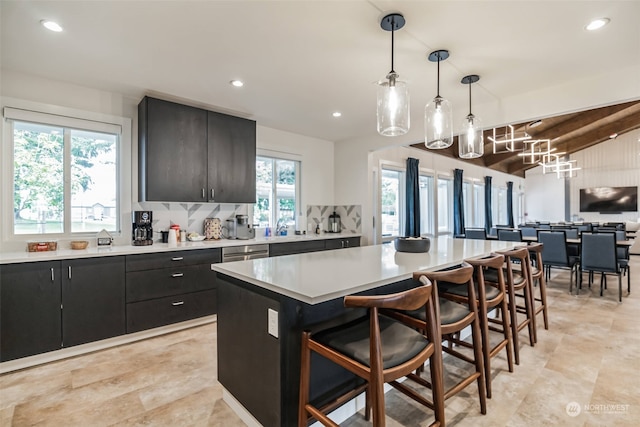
{"x": 273, "y": 322}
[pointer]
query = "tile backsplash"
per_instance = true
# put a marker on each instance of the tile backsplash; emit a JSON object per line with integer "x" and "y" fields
{"x": 190, "y": 216}
{"x": 350, "y": 217}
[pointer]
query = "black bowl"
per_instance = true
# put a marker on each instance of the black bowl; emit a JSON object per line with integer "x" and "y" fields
{"x": 412, "y": 244}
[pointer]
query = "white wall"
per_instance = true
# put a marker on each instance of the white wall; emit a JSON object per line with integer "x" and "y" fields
{"x": 544, "y": 196}
{"x": 614, "y": 163}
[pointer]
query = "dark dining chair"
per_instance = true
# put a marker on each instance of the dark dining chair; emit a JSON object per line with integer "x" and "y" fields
{"x": 583, "y": 227}
{"x": 475, "y": 233}
{"x": 509, "y": 235}
{"x": 598, "y": 254}
{"x": 556, "y": 254}
{"x": 528, "y": 231}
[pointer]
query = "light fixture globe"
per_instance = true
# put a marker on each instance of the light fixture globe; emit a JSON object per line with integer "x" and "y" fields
{"x": 393, "y": 106}
{"x": 471, "y": 139}
{"x": 438, "y": 114}
{"x": 393, "y": 94}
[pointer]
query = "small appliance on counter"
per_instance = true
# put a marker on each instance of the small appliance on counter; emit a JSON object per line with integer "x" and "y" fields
{"x": 239, "y": 228}
{"x": 334, "y": 223}
{"x": 212, "y": 228}
{"x": 142, "y": 230}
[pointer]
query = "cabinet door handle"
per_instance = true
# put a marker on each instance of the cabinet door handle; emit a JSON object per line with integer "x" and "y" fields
{"x": 203, "y": 195}
{"x": 177, "y": 275}
{"x": 177, "y": 258}
{"x": 177, "y": 303}
{"x": 346, "y": 242}
{"x": 53, "y": 279}
{"x": 69, "y": 272}
{"x": 213, "y": 192}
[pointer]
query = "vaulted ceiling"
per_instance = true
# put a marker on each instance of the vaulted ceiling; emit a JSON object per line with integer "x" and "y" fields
{"x": 568, "y": 133}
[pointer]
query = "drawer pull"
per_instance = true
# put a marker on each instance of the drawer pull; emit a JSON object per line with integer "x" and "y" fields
{"x": 177, "y": 275}
{"x": 177, "y": 303}
{"x": 177, "y": 258}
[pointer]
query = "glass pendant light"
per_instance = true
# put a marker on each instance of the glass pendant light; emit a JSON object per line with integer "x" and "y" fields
{"x": 393, "y": 94}
{"x": 470, "y": 141}
{"x": 438, "y": 118}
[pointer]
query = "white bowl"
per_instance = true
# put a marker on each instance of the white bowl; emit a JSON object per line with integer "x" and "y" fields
{"x": 195, "y": 238}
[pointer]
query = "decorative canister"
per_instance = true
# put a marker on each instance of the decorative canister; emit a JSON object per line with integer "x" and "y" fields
{"x": 212, "y": 228}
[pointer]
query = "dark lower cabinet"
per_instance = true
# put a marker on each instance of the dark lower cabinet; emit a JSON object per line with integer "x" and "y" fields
{"x": 30, "y": 297}
{"x": 93, "y": 303}
{"x": 164, "y": 311}
{"x": 349, "y": 242}
{"x": 45, "y": 306}
{"x": 170, "y": 287}
{"x": 289, "y": 248}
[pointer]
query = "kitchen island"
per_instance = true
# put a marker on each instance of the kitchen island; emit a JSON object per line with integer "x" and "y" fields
{"x": 265, "y": 304}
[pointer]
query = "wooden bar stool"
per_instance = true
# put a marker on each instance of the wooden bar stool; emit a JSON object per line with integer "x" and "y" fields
{"x": 489, "y": 297}
{"x": 537, "y": 276}
{"x": 379, "y": 350}
{"x": 517, "y": 280}
{"x": 454, "y": 317}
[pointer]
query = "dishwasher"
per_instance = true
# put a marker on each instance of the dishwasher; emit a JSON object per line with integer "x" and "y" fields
{"x": 244, "y": 252}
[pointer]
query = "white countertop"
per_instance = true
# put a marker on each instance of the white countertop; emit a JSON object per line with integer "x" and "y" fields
{"x": 321, "y": 276}
{"x": 65, "y": 252}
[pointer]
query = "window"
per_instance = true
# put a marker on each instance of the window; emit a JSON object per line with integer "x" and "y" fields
{"x": 277, "y": 189}
{"x": 392, "y": 184}
{"x": 445, "y": 205}
{"x": 65, "y": 174}
{"x": 427, "y": 203}
{"x": 473, "y": 194}
{"x": 499, "y": 208}
{"x": 478, "y": 205}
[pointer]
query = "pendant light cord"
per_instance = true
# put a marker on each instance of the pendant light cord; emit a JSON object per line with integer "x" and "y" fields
{"x": 393, "y": 28}
{"x": 438, "y": 89}
{"x": 470, "y": 98}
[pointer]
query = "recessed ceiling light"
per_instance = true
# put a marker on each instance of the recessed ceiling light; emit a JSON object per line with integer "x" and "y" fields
{"x": 51, "y": 25}
{"x": 337, "y": 114}
{"x": 613, "y": 136}
{"x": 597, "y": 24}
{"x": 236, "y": 83}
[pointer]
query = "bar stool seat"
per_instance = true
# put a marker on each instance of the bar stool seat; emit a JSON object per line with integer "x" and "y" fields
{"x": 399, "y": 343}
{"x": 490, "y": 292}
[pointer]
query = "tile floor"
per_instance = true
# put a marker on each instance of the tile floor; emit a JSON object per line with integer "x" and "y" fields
{"x": 587, "y": 357}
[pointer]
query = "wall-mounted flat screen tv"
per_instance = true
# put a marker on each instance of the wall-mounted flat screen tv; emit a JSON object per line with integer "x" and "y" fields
{"x": 609, "y": 199}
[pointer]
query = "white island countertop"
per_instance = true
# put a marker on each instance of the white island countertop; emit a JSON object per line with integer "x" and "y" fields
{"x": 317, "y": 277}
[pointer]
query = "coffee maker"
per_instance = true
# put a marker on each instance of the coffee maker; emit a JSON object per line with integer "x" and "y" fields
{"x": 142, "y": 230}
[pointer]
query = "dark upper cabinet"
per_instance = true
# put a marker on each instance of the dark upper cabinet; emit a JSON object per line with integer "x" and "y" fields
{"x": 30, "y": 321}
{"x": 93, "y": 299}
{"x": 172, "y": 152}
{"x": 232, "y": 159}
{"x": 187, "y": 154}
